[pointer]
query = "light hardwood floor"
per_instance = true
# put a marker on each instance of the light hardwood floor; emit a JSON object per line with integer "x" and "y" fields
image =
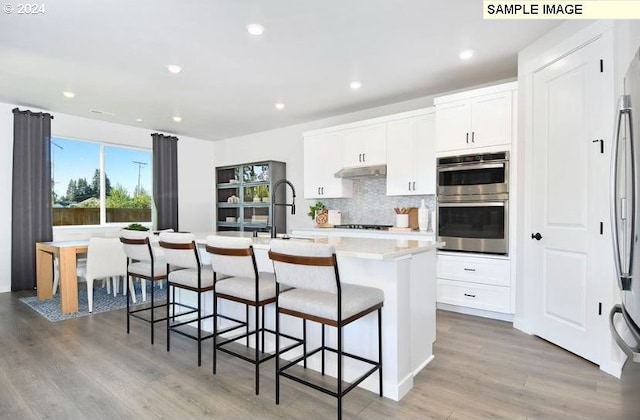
{"x": 90, "y": 368}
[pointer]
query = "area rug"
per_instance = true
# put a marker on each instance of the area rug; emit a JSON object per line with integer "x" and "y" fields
{"x": 102, "y": 302}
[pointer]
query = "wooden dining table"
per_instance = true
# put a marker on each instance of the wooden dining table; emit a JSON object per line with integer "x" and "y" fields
{"x": 67, "y": 252}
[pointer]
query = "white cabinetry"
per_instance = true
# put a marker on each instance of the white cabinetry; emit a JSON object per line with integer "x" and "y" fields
{"x": 478, "y": 118}
{"x": 411, "y": 162}
{"x": 365, "y": 146}
{"x": 475, "y": 282}
{"x": 404, "y": 142}
{"x": 320, "y": 165}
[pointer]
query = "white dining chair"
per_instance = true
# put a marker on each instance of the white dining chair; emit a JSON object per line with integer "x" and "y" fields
{"x": 105, "y": 259}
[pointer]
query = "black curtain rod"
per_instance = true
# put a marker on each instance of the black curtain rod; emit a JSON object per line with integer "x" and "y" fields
{"x": 26, "y": 111}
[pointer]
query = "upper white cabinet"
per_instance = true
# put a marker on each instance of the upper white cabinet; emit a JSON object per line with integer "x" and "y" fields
{"x": 404, "y": 142}
{"x": 321, "y": 162}
{"x": 477, "y": 118}
{"x": 411, "y": 162}
{"x": 365, "y": 146}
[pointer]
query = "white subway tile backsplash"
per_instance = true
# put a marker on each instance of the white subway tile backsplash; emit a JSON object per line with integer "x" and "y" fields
{"x": 370, "y": 204}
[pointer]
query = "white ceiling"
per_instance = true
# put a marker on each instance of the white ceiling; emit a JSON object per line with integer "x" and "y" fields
{"x": 113, "y": 55}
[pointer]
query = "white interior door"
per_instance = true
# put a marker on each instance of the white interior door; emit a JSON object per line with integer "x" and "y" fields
{"x": 568, "y": 195}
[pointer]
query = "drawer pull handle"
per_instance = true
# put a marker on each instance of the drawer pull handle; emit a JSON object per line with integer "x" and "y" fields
{"x": 469, "y": 269}
{"x": 469, "y": 295}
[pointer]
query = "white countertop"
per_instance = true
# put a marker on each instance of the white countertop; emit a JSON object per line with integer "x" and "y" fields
{"x": 367, "y": 248}
{"x": 364, "y": 233}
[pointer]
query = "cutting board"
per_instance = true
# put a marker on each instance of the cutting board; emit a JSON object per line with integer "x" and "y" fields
{"x": 413, "y": 218}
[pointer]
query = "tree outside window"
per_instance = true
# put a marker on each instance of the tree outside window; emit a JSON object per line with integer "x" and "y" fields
{"x": 86, "y": 169}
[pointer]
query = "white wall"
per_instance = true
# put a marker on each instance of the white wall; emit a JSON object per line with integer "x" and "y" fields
{"x": 286, "y": 145}
{"x": 6, "y": 156}
{"x": 195, "y": 174}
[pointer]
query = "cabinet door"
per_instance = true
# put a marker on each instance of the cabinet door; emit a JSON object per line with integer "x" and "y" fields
{"x": 453, "y": 121}
{"x": 400, "y": 139}
{"x": 321, "y": 161}
{"x": 411, "y": 156}
{"x": 491, "y": 120}
{"x": 424, "y": 155}
{"x": 365, "y": 146}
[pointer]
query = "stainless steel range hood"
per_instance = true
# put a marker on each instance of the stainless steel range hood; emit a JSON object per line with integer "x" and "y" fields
{"x": 362, "y": 172}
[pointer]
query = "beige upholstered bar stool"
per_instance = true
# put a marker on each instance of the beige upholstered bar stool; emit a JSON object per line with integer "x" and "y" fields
{"x": 317, "y": 295}
{"x": 234, "y": 257}
{"x": 185, "y": 272}
{"x": 143, "y": 263}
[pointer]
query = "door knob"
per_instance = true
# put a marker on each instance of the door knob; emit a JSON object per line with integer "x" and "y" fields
{"x": 537, "y": 236}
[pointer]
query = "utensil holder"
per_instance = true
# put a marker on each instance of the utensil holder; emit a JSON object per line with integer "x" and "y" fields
{"x": 402, "y": 220}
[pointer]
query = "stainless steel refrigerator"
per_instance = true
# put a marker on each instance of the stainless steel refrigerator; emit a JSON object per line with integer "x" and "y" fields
{"x": 625, "y": 218}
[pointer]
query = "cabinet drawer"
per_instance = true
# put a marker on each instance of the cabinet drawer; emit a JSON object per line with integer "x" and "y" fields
{"x": 472, "y": 295}
{"x": 474, "y": 269}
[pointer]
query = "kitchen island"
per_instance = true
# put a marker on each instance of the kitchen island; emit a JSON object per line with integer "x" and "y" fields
{"x": 406, "y": 271}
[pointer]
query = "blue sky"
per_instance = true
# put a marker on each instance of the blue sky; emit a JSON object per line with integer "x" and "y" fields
{"x": 78, "y": 159}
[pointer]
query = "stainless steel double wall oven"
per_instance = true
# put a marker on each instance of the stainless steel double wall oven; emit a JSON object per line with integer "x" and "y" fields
{"x": 473, "y": 203}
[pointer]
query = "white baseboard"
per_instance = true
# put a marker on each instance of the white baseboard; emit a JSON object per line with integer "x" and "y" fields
{"x": 423, "y": 365}
{"x": 523, "y": 326}
{"x": 475, "y": 312}
{"x": 612, "y": 368}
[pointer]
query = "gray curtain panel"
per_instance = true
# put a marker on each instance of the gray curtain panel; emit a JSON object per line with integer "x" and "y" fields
{"x": 165, "y": 180}
{"x": 31, "y": 194}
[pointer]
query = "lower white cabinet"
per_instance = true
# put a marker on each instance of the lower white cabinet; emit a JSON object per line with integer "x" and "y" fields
{"x": 475, "y": 282}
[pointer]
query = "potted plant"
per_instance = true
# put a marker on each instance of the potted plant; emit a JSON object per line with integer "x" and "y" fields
{"x": 137, "y": 226}
{"x": 318, "y": 213}
{"x": 263, "y": 193}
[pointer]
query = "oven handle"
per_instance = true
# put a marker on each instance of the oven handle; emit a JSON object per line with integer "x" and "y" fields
{"x": 472, "y": 204}
{"x": 471, "y": 166}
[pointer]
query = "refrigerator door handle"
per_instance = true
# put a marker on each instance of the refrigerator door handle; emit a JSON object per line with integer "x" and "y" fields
{"x": 632, "y": 353}
{"x": 614, "y": 202}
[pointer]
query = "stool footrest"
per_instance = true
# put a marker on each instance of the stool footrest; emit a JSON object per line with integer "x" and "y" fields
{"x": 162, "y": 318}
{"x": 189, "y": 331}
{"x": 243, "y": 352}
{"x": 320, "y": 383}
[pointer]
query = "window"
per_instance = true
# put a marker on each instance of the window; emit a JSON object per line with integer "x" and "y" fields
{"x": 98, "y": 184}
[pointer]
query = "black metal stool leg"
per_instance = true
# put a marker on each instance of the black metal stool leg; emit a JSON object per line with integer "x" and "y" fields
{"x": 168, "y": 318}
{"x": 199, "y": 331}
{"x": 257, "y": 315}
{"x": 323, "y": 349}
{"x": 262, "y": 332}
{"x": 304, "y": 342}
{"x": 152, "y": 311}
{"x": 215, "y": 331}
{"x": 128, "y": 306}
{"x": 277, "y": 356}
{"x": 380, "y": 346}
{"x": 339, "y": 370}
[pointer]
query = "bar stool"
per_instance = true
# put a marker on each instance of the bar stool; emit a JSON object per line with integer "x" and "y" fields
{"x": 317, "y": 295}
{"x": 234, "y": 257}
{"x": 185, "y": 272}
{"x": 144, "y": 263}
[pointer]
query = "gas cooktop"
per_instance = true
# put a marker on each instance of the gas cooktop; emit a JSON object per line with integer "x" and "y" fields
{"x": 361, "y": 226}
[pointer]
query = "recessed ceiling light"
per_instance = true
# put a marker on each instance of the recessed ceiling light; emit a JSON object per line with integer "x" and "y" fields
{"x": 177, "y": 118}
{"x": 139, "y": 120}
{"x": 466, "y": 54}
{"x": 173, "y": 68}
{"x": 68, "y": 94}
{"x": 255, "y": 29}
{"x": 280, "y": 106}
{"x": 355, "y": 85}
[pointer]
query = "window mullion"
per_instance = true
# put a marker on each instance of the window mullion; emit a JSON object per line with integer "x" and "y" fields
{"x": 103, "y": 193}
